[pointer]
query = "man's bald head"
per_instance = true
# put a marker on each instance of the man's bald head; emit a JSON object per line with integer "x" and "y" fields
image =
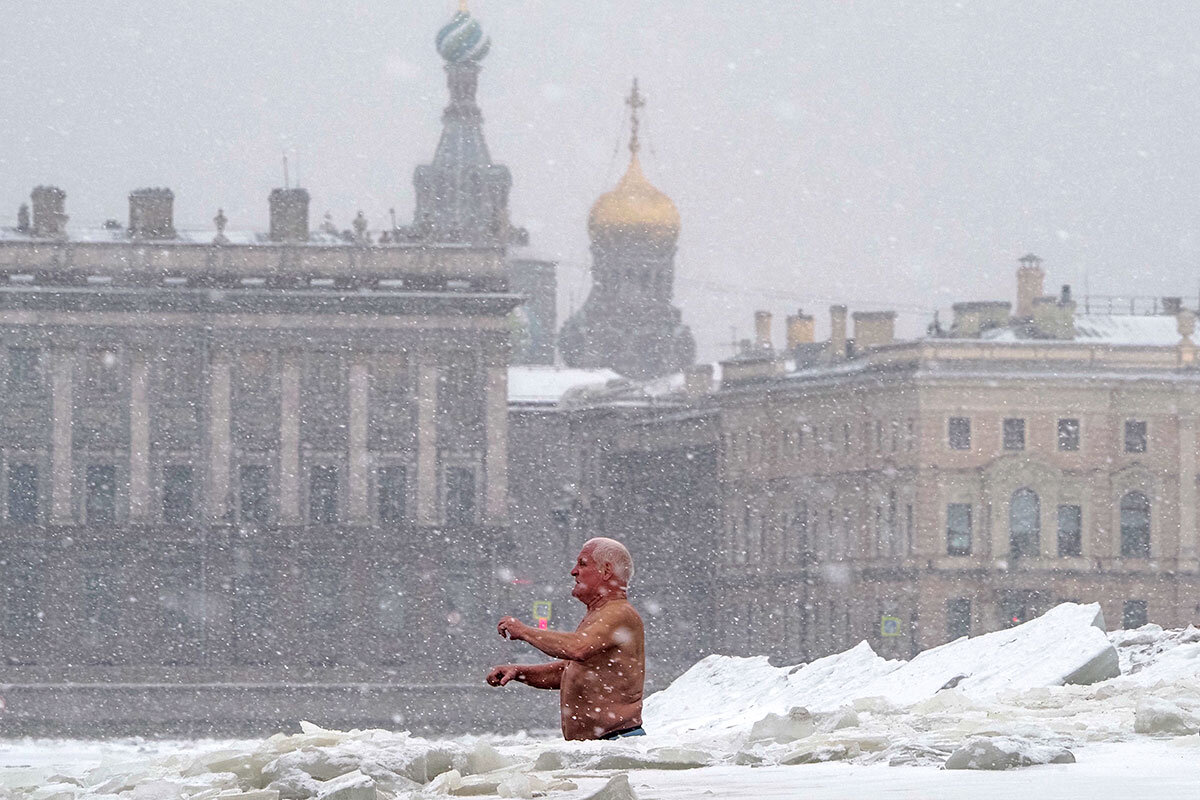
{"x": 615, "y": 555}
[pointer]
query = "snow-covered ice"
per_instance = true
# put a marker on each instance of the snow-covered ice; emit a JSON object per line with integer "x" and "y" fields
{"x": 1081, "y": 713}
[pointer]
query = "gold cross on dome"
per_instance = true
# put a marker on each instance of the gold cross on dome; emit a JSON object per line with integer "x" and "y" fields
{"x": 635, "y": 101}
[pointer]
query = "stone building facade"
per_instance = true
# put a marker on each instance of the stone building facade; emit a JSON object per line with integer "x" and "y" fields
{"x": 235, "y": 463}
{"x": 902, "y": 492}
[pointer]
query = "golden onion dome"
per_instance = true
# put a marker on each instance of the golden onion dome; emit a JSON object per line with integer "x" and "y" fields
{"x": 634, "y": 206}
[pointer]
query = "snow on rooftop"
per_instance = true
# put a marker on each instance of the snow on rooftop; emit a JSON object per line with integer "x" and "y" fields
{"x": 1155, "y": 331}
{"x": 546, "y": 384}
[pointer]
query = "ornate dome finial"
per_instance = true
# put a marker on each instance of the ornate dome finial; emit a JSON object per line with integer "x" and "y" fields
{"x": 634, "y": 101}
{"x": 462, "y": 39}
{"x": 635, "y": 206}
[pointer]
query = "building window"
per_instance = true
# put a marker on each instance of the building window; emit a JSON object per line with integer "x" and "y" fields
{"x": 1024, "y": 524}
{"x": 1014, "y": 434}
{"x": 393, "y": 486}
{"x": 958, "y": 431}
{"x": 1135, "y": 436}
{"x": 908, "y": 528}
{"x": 1068, "y": 434}
{"x": 846, "y": 436}
{"x": 1070, "y": 530}
{"x": 103, "y": 371}
{"x": 1135, "y": 525}
{"x": 254, "y": 492}
{"x": 958, "y": 529}
{"x": 1016, "y": 611}
{"x": 323, "y": 495}
{"x": 177, "y": 493}
{"x": 20, "y": 587}
{"x": 958, "y": 618}
{"x": 100, "y": 494}
{"x": 22, "y": 493}
{"x": 1133, "y": 614}
{"x": 801, "y": 520}
{"x": 460, "y": 496}
{"x": 24, "y": 368}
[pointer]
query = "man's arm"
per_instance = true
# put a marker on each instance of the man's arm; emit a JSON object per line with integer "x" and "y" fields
{"x": 539, "y": 676}
{"x": 596, "y": 637}
{"x": 542, "y": 676}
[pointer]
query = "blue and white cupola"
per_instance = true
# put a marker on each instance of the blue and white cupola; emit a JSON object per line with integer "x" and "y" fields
{"x": 462, "y": 39}
{"x": 462, "y": 197}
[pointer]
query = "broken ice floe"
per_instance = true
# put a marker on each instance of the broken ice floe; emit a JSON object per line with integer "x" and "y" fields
{"x": 1020, "y": 697}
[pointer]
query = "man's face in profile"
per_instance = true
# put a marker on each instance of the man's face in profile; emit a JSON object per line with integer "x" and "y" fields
{"x": 588, "y": 577}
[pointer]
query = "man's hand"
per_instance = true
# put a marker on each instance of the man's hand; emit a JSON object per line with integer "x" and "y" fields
{"x": 512, "y": 628}
{"x": 503, "y": 674}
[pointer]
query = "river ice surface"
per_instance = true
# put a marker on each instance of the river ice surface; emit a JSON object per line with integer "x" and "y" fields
{"x": 850, "y": 725}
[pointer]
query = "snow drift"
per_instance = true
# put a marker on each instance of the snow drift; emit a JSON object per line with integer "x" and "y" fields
{"x": 723, "y": 696}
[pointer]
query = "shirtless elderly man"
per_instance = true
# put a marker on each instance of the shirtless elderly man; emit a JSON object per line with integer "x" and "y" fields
{"x": 602, "y": 665}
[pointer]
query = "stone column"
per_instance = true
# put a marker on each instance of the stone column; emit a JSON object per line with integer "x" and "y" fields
{"x": 1187, "y": 492}
{"x": 62, "y": 462}
{"x": 496, "y": 459}
{"x": 139, "y": 439}
{"x": 289, "y": 439}
{"x": 359, "y": 457}
{"x": 427, "y": 457}
{"x": 220, "y": 445}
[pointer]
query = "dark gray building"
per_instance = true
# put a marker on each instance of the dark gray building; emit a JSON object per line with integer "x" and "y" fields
{"x": 247, "y": 478}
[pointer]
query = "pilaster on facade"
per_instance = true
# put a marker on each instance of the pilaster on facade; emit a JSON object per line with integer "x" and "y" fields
{"x": 1187, "y": 493}
{"x": 220, "y": 445}
{"x": 139, "y": 438}
{"x": 289, "y": 438}
{"x": 496, "y": 458}
{"x": 427, "y": 442}
{"x": 359, "y": 457}
{"x": 61, "y": 455}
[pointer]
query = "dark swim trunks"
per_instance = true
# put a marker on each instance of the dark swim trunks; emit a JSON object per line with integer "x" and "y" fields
{"x": 638, "y": 731}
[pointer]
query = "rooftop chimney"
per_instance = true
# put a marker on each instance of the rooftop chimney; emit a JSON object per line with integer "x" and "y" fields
{"x": 49, "y": 221}
{"x": 762, "y": 330}
{"x": 874, "y": 328}
{"x": 289, "y": 215}
{"x": 1030, "y": 277}
{"x": 837, "y": 332}
{"x": 151, "y": 213}
{"x": 800, "y": 329}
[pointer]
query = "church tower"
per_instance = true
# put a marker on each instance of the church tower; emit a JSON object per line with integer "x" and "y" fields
{"x": 462, "y": 197}
{"x": 627, "y": 322}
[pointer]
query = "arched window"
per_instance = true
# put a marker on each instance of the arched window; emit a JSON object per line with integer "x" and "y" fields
{"x": 1024, "y": 523}
{"x": 1135, "y": 525}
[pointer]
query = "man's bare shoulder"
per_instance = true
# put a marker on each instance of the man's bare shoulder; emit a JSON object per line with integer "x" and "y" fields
{"x": 618, "y": 612}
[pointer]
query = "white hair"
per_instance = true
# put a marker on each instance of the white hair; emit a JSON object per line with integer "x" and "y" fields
{"x": 615, "y": 554}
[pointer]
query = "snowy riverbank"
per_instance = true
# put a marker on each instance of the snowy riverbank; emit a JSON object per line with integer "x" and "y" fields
{"x": 1055, "y": 691}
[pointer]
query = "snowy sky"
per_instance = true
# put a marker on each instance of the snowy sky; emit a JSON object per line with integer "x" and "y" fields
{"x": 898, "y": 154}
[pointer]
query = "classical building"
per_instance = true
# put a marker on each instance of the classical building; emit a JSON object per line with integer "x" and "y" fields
{"x": 628, "y": 323}
{"x": 263, "y": 475}
{"x": 797, "y": 500}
